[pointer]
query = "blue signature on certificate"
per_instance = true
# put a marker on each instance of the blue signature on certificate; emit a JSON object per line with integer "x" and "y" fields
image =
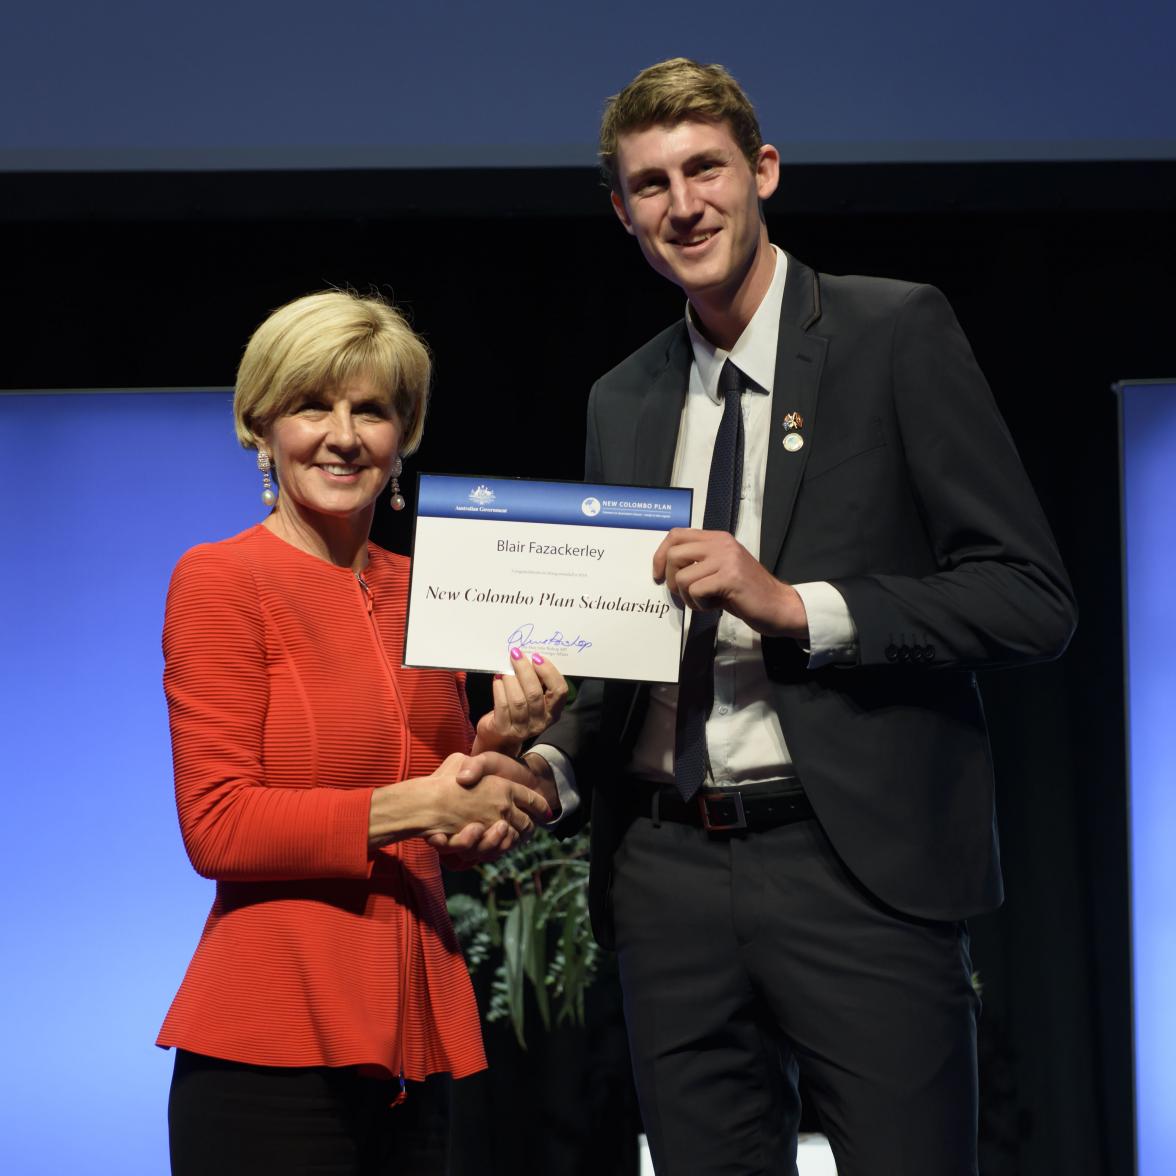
{"x": 524, "y": 638}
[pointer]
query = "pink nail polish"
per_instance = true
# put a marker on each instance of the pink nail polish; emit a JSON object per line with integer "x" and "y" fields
{"x": 536, "y": 659}
{"x": 497, "y": 677}
{"x": 516, "y": 653}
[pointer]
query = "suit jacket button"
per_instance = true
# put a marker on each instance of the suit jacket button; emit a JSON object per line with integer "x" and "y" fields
{"x": 904, "y": 653}
{"x": 928, "y": 652}
{"x": 891, "y": 652}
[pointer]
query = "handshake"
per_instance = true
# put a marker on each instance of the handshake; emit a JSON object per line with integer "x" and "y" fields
{"x": 475, "y": 807}
{"x": 506, "y": 795}
{"x": 494, "y": 803}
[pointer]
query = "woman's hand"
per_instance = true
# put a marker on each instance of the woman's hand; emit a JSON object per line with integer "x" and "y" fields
{"x": 525, "y": 704}
{"x": 486, "y": 792}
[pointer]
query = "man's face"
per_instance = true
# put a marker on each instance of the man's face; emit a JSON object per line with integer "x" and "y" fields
{"x": 689, "y": 196}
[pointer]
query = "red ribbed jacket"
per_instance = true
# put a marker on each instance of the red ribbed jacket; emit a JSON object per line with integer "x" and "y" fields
{"x": 288, "y": 705}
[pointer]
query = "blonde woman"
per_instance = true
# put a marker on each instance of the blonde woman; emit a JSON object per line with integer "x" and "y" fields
{"x": 310, "y": 768}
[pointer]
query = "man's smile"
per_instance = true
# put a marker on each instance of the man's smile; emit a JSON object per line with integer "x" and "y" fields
{"x": 694, "y": 239}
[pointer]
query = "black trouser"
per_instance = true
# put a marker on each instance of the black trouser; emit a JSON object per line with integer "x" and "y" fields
{"x": 749, "y": 958}
{"x": 233, "y": 1119}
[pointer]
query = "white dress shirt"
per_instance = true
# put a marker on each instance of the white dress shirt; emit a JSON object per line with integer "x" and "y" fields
{"x": 743, "y": 736}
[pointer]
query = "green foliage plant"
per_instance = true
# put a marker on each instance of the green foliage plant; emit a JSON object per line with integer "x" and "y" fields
{"x": 530, "y": 924}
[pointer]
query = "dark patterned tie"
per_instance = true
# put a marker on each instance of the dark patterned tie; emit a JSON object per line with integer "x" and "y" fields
{"x": 696, "y": 683}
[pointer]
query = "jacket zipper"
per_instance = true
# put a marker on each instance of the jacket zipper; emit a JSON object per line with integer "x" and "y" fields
{"x": 369, "y": 600}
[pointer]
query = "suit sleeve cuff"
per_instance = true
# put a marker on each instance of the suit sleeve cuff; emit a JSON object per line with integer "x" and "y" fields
{"x": 565, "y": 780}
{"x": 832, "y": 633}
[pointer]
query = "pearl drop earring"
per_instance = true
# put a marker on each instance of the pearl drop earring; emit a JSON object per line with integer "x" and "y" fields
{"x": 268, "y": 494}
{"x": 397, "y": 497}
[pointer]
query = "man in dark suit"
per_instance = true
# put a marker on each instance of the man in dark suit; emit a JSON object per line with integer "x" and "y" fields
{"x": 786, "y": 845}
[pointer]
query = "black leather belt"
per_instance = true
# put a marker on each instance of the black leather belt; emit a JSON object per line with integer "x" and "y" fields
{"x": 726, "y": 810}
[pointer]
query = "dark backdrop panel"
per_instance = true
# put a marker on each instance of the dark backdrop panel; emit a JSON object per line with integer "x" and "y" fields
{"x": 524, "y": 311}
{"x": 1145, "y": 185}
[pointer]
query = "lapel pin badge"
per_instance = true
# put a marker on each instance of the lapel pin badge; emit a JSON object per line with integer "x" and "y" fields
{"x": 793, "y": 423}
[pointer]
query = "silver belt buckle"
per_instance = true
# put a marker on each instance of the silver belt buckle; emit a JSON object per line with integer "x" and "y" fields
{"x": 721, "y": 813}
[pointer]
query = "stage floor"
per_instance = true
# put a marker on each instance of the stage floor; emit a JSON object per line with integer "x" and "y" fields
{"x": 813, "y": 1157}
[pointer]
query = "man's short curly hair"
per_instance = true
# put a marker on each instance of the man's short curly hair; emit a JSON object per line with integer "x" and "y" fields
{"x": 676, "y": 91}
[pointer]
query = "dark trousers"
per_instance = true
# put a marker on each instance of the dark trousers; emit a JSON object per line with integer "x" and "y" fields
{"x": 232, "y": 1119}
{"x": 749, "y": 960}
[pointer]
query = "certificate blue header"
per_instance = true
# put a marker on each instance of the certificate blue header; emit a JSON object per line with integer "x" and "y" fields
{"x": 581, "y": 503}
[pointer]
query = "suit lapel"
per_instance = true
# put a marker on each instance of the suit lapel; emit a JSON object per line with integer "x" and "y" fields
{"x": 800, "y": 359}
{"x": 660, "y": 415}
{"x": 655, "y": 439}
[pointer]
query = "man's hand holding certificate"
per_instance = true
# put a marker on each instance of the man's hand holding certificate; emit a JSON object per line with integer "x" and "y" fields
{"x": 560, "y": 569}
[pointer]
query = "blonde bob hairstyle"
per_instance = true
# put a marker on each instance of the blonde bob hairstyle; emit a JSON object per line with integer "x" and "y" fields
{"x": 674, "y": 91}
{"x": 321, "y": 342}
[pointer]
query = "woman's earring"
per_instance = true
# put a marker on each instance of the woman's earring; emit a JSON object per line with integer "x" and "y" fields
{"x": 397, "y": 497}
{"x": 268, "y": 494}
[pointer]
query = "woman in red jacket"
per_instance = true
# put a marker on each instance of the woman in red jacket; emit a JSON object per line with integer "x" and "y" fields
{"x": 310, "y": 767}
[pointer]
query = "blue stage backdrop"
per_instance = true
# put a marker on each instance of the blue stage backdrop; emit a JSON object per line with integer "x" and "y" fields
{"x": 368, "y": 83}
{"x": 102, "y": 492}
{"x": 1148, "y": 411}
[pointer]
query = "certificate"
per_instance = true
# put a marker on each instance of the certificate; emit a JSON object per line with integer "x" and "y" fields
{"x": 562, "y": 569}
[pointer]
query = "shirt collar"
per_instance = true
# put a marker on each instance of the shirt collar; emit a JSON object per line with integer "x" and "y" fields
{"x": 754, "y": 352}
